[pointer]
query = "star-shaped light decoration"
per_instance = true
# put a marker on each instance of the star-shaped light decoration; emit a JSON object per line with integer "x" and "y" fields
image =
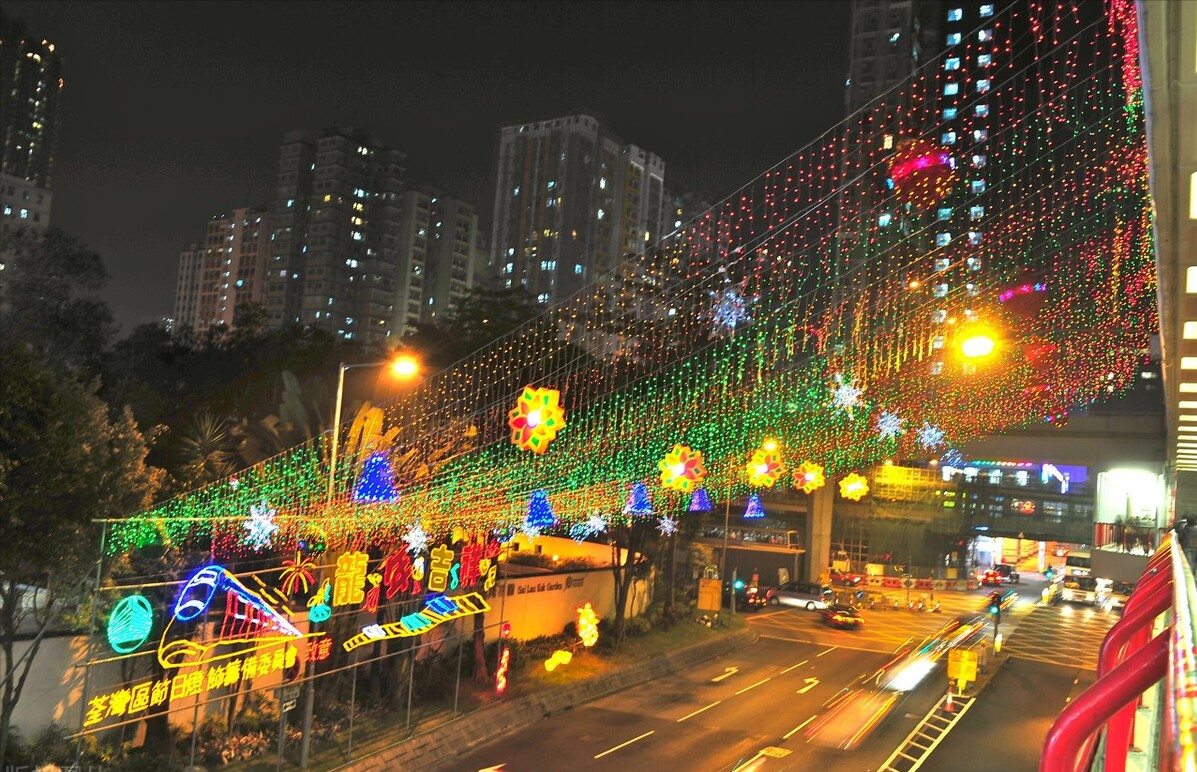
{"x": 667, "y": 526}
{"x": 809, "y": 477}
{"x": 729, "y": 310}
{"x": 765, "y": 468}
{"x": 682, "y": 469}
{"x": 952, "y": 458}
{"x": 930, "y": 436}
{"x": 594, "y": 524}
{"x": 536, "y": 419}
{"x": 853, "y": 487}
{"x": 416, "y": 539}
{"x": 845, "y": 395}
{"x": 261, "y": 525}
{"x": 889, "y": 426}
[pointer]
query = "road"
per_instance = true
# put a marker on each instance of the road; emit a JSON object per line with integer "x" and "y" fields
{"x": 722, "y": 714}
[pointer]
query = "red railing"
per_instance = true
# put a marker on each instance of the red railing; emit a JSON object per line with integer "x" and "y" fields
{"x": 1129, "y": 663}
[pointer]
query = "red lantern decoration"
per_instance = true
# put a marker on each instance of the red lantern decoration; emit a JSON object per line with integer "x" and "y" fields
{"x": 921, "y": 173}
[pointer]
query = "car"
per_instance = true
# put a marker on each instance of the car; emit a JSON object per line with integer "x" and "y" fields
{"x": 845, "y": 578}
{"x": 1113, "y": 595}
{"x": 991, "y": 577}
{"x": 1008, "y": 572}
{"x": 843, "y": 617}
{"x": 807, "y": 595}
{"x": 748, "y": 596}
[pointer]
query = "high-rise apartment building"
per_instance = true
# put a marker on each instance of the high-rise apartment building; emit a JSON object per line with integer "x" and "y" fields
{"x": 187, "y": 286}
{"x": 441, "y": 257}
{"x": 23, "y": 202}
{"x": 889, "y": 39}
{"x": 571, "y": 201}
{"x": 227, "y": 271}
{"x": 31, "y": 88}
{"x": 336, "y": 253}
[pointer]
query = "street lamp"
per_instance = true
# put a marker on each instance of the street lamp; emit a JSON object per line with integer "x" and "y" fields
{"x": 403, "y": 366}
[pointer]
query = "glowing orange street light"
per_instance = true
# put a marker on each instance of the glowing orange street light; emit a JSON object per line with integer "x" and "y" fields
{"x": 405, "y": 366}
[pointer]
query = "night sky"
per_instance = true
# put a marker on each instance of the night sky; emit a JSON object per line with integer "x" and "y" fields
{"x": 174, "y": 111}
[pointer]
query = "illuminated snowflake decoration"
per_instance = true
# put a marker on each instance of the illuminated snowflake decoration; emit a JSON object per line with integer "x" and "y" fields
{"x": 531, "y": 531}
{"x": 845, "y": 395}
{"x": 889, "y": 426}
{"x": 667, "y": 526}
{"x": 930, "y": 436}
{"x": 952, "y": 458}
{"x": 416, "y": 539}
{"x": 594, "y": 524}
{"x": 261, "y": 525}
{"x": 728, "y": 312}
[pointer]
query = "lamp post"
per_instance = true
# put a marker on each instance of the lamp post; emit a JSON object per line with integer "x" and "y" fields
{"x": 404, "y": 366}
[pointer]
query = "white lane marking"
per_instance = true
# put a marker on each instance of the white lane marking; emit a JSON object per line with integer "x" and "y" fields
{"x": 797, "y": 729}
{"x": 828, "y": 651}
{"x": 811, "y": 683}
{"x": 624, "y": 745}
{"x": 727, "y": 673}
{"x": 791, "y": 667}
{"x": 845, "y": 648}
{"x": 758, "y": 683}
{"x": 700, "y": 710}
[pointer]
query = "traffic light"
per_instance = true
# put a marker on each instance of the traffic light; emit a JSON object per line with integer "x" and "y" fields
{"x": 995, "y": 604}
{"x": 1049, "y": 573}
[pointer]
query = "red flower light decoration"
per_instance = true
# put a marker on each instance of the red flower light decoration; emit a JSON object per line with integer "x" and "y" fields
{"x": 682, "y": 469}
{"x": 809, "y": 477}
{"x": 536, "y": 419}
{"x": 921, "y": 173}
{"x": 765, "y": 468}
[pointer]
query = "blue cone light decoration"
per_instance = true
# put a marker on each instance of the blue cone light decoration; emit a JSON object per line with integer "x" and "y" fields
{"x": 638, "y": 501}
{"x": 754, "y": 509}
{"x": 540, "y": 514}
{"x": 700, "y": 501}
{"x": 377, "y": 483}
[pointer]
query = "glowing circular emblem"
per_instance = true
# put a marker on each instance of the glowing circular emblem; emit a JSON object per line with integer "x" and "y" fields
{"x": 921, "y": 173}
{"x": 130, "y": 623}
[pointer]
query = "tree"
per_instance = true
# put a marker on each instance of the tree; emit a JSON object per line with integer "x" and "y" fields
{"x": 628, "y": 536}
{"x": 481, "y": 317}
{"x": 50, "y": 297}
{"x": 63, "y": 462}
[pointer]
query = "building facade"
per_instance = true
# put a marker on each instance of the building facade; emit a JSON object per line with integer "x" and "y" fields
{"x": 228, "y": 270}
{"x": 187, "y": 287}
{"x": 335, "y": 257}
{"x": 31, "y": 87}
{"x": 23, "y": 202}
{"x": 571, "y": 201}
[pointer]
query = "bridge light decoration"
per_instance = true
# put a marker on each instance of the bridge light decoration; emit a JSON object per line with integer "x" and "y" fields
{"x": 536, "y": 419}
{"x": 920, "y": 173}
{"x": 809, "y": 477}
{"x": 854, "y": 487}
{"x": 682, "y": 469}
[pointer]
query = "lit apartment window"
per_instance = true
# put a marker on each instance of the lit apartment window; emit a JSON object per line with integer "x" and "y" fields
{"x": 944, "y": 213}
{"x": 983, "y": 85}
{"x": 976, "y": 212}
{"x": 951, "y": 63}
{"x": 949, "y": 113}
{"x": 941, "y": 290}
{"x": 942, "y": 263}
{"x": 985, "y": 35}
{"x": 948, "y": 138}
{"x": 974, "y": 238}
{"x": 951, "y": 89}
{"x": 986, "y": 10}
{"x": 979, "y": 160}
{"x": 954, "y": 39}
{"x": 977, "y": 186}
{"x": 955, "y": 14}
{"x": 984, "y": 60}
{"x": 542, "y": 297}
{"x": 884, "y": 220}
{"x": 578, "y": 270}
{"x": 980, "y": 135}
{"x": 943, "y": 239}
{"x": 981, "y": 111}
